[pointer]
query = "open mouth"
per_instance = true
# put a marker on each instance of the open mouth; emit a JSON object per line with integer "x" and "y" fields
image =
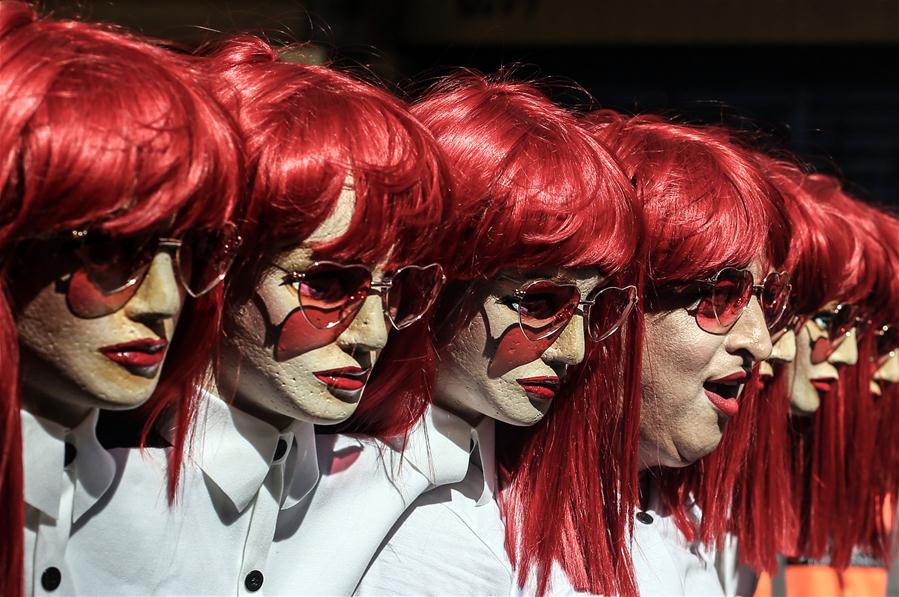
{"x": 345, "y": 380}
{"x": 724, "y": 391}
{"x": 540, "y": 388}
{"x": 142, "y": 357}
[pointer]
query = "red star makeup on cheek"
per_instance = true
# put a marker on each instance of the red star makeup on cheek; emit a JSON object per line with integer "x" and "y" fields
{"x": 513, "y": 349}
{"x": 296, "y": 336}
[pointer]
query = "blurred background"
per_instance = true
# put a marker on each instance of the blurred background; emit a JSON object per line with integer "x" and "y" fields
{"x": 820, "y": 77}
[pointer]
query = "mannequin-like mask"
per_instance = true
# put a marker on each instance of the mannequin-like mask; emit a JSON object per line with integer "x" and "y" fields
{"x": 510, "y": 358}
{"x": 304, "y": 346}
{"x": 825, "y": 343}
{"x": 885, "y": 362}
{"x": 701, "y": 342}
{"x": 95, "y": 314}
{"x": 782, "y": 352}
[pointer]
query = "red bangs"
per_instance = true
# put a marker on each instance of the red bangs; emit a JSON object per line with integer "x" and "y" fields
{"x": 706, "y": 202}
{"x": 532, "y": 189}
{"x": 309, "y": 131}
{"x": 819, "y": 248}
{"x": 106, "y": 127}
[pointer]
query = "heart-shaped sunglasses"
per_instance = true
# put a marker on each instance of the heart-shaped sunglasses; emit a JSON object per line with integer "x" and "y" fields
{"x": 331, "y": 294}
{"x": 545, "y": 307}
{"x": 110, "y": 269}
{"x": 724, "y": 297}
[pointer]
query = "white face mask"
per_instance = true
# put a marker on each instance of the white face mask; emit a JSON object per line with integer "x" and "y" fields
{"x": 321, "y": 374}
{"x": 71, "y": 364}
{"x": 489, "y": 368}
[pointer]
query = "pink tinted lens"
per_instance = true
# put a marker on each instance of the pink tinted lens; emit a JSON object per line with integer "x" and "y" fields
{"x": 721, "y": 308}
{"x": 775, "y": 299}
{"x": 546, "y": 308}
{"x": 331, "y": 293}
{"x": 610, "y": 308}
{"x": 86, "y": 299}
{"x": 412, "y": 291}
{"x": 297, "y": 335}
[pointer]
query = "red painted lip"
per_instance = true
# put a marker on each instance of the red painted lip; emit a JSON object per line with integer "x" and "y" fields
{"x": 734, "y": 378}
{"x": 823, "y": 384}
{"x": 542, "y": 388}
{"x": 146, "y": 352}
{"x": 350, "y": 379}
{"x": 728, "y": 406}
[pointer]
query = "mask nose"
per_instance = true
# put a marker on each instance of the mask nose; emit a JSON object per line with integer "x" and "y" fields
{"x": 160, "y": 295}
{"x": 570, "y": 347}
{"x": 368, "y": 332}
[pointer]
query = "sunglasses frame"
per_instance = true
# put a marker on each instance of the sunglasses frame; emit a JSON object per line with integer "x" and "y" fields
{"x": 380, "y": 289}
{"x": 881, "y": 357}
{"x": 586, "y": 305}
{"x": 834, "y": 341}
{"x": 136, "y": 277}
{"x": 756, "y": 290}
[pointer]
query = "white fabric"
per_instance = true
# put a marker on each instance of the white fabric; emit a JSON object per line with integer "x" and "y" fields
{"x": 451, "y": 541}
{"x": 365, "y": 488}
{"x": 233, "y": 501}
{"x": 737, "y": 580}
{"x": 58, "y": 496}
{"x": 665, "y": 563}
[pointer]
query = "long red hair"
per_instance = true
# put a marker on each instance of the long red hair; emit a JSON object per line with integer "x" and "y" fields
{"x": 305, "y": 130}
{"x": 752, "y": 497}
{"x": 533, "y": 190}
{"x": 707, "y": 205}
{"x": 100, "y": 129}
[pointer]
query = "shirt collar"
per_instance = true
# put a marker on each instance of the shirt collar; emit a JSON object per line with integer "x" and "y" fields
{"x": 236, "y": 450}
{"x": 43, "y": 458}
{"x": 441, "y": 447}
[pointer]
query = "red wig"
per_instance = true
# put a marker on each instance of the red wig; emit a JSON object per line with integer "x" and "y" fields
{"x": 99, "y": 129}
{"x": 707, "y": 205}
{"x": 533, "y": 190}
{"x": 307, "y": 130}
{"x": 863, "y": 491}
{"x": 832, "y": 474}
{"x": 752, "y": 497}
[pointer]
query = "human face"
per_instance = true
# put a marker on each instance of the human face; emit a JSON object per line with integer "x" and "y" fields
{"x": 691, "y": 380}
{"x": 489, "y": 368}
{"x": 783, "y": 351}
{"x": 313, "y": 375}
{"x": 71, "y": 364}
{"x": 813, "y": 380}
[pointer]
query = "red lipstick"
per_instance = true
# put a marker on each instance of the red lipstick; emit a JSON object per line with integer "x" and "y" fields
{"x": 723, "y": 391}
{"x": 542, "y": 388}
{"x": 146, "y": 352}
{"x": 823, "y": 384}
{"x": 350, "y": 379}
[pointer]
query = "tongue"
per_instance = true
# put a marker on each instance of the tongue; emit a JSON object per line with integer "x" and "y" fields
{"x": 728, "y": 406}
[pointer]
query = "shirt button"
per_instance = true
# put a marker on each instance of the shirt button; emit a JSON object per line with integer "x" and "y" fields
{"x": 71, "y": 452}
{"x": 51, "y": 578}
{"x": 280, "y": 450}
{"x": 253, "y": 581}
{"x": 644, "y": 517}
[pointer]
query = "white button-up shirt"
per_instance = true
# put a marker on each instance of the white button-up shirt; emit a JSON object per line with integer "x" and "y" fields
{"x": 666, "y": 563}
{"x": 241, "y": 492}
{"x": 451, "y": 541}
{"x": 65, "y": 472}
{"x": 368, "y": 485}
